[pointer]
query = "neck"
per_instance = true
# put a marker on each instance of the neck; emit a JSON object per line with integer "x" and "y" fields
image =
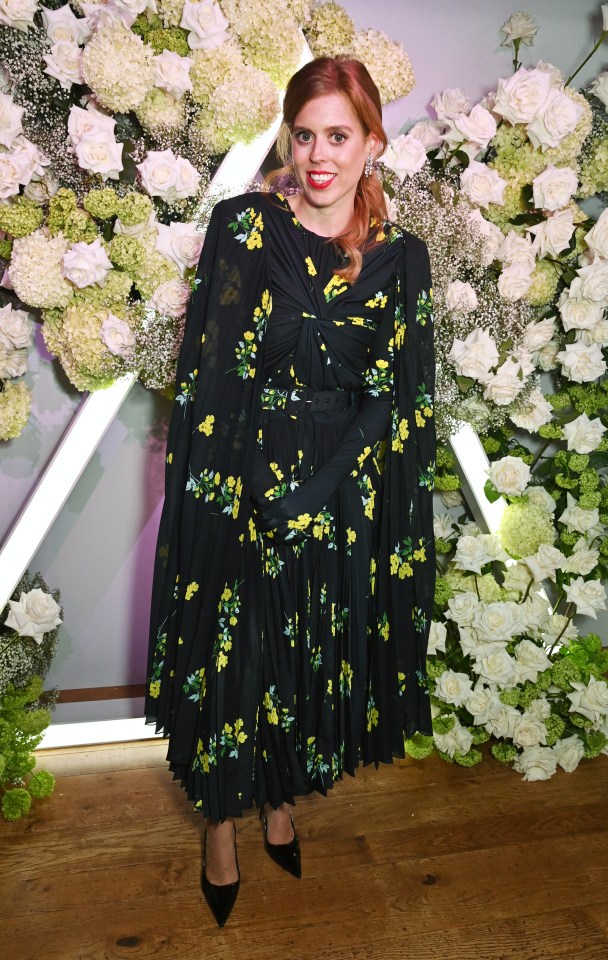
{"x": 321, "y": 220}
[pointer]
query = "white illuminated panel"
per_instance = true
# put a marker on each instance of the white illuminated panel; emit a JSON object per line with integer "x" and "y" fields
{"x": 474, "y": 466}
{"x": 94, "y": 732}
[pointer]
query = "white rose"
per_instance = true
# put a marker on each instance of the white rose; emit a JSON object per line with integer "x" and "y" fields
{"x": 453, "y": 687}
{"x": 514, "y": 282}
{"x": 492, "y": 235}
{"x": 442, "y": 522}
{"x": 556, "y": 118}
{"x": 86, "y": 263}
{"x": 578, "y": 520}
{"x": 83, "y": 124}
{"x": 41, "y": 189}
{"x": 590, "y": 700}
{"x": 519, "y": 98}
{"x": 536, "y": 335}
{"x": 15, "y": 330}
{"x": 545, "y": 562}
{"x": 531, "y": 660}
{"x": 594, "y": 281}
{"x": 206, "y": 23}
{"x": 10, "y": 120}
{"x": 457, "y": 740}
{"x": 588, "y": 595}
{"x": 135, "y": 7}
{"x": 450, "y": 103}
{"x": 542, "y": 498}
{"x": 171, "y": 298}
{"x": 462, "y": 608}
{"x": 510, "y": 475}
{"x": 546, "y": 357}
{"x": 597, "y": 237}
{"x": 598, "y": 333}
{"x": 471, "y": 645}
{"x": 582, "y": 560}
{"x": 553, "y": 234}
{"x": 517, "y": 251}
{"x": 100, "y": 153}
{"x": 535, "y": 611}
{"x": 503, "y": 386}
{"x": 536, "y": 763}
{"x": 520, "y": 26}
{"x": 553, "y": 187}
{"x": 523, "y": 359}
{"x": 584, "y": 435}
{"x": 534, "y": 413}
{"x": 33, "y": 615}
{"x": 172, "y": 73}
{"x": 461, "y": 297}
{"x": 540, "y": 709}
{"x": 502, "y": 719}
{"x": 18, "y": 14}
{"x": 477, "y": 128}
{"x": 13, "y": 172}
{"x": 64, "y": 63}
{"x": 481, "y": 185}
{"x": 498, "y": 622}
{"x": 169, "y": 177}
{"x": 451, "y": 498}
{"x": 138, "y": 229}
{"x": 117, "y": 336}
{"x": 106, "y": 16}
{"x": 582, "y": 362}
{"x": 528, "y": 731}
{"x": 599, "y": 88}
{"x": 437, "y": 638}
{"x": 429, "y": 132}
{"x": 13, "y": 363}
{"x": 579, "y": 314}
{"x": 405, "y": 155}
{"x": 63, "y": 25}
{"x": 480, "y": 703}
{"x": 493, "y": 547}
{"x": 471, "y": 554}
{"x": 474, "y": 356}
{"x": 569, "y": 753}
{"x": 181, "y": 243}
{"x": 33, "y": 160}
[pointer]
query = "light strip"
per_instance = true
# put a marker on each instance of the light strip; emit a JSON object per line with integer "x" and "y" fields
{"x": 474, "y": 466}
{"x": 60, "y": 476}
{"x": 90, "y": 733}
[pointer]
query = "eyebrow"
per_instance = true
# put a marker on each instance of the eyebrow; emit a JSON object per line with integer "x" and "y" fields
{"x": 332, "y": 129}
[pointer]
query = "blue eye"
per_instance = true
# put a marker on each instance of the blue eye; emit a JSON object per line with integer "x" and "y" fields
{"x": 304, "y": 136}
{"x": 339, "y": 137}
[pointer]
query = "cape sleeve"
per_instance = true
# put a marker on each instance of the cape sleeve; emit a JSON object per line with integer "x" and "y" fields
{"x": 210, "y": 444}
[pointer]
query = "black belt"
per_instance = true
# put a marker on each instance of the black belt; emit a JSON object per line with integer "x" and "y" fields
{"x": 305, "y": 400}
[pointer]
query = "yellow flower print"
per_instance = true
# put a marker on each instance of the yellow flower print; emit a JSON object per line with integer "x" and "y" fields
{"x": 206, "y": 426}
{"x": 317, "y": 531}
{"x": 312, "y": 270}
{"x": 427, "y": 412}
{"x": 362, "y": 456}
{"x": 241, "y": 736}
{"x": 357, "y": 321}
{"x": 191, "y": 589}
{"x": 222, "y": 660}
{"x": 382, "y": 364}
{"x": 301, "y": 523}
{"x": 403, "y": 429}
{"x": 227, "y": 594}
{"x": 249, "y": 335}
{"x": 420, "y": 554}
{"x": 380, "y": 236}
{"x": 155, "y": 689}
{"x": 277, "y": 472}
{"x": 372, "y": 714}
{"x": 252, "y": 531}
{"x": 170, "y": 458}
{"x": 378, "y": 300}
{"x": 405, "y": 570}
{"x": 217, "y": 479}
{"x": 351, "y": 535}
{"x": 335, "y": 287}
{"x": 233, "y": 623}
{"x": 330, "y": 686}
{"x": 420, "y": 421}
{"x": 259, "y": 222}
{"x": 254, "y": 240}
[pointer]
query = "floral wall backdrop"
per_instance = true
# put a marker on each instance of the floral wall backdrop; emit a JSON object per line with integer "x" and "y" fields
{"x": 507, "y": 158}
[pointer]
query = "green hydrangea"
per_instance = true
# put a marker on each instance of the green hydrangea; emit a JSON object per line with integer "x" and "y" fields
{"x": 6, "y": 247}
{"x": 469, "y": 759}
{"x": 127, "y": 253}
{"x": 101, "y": 203}
{"x": 545, "y": 280}
{"x": 479, "y": 734}
{"x": 173, "y": 39}
{"x": 16, "y": 803}
{"x": 41, "y": 785}
{"x": 444, "y": 724}
{"x": 566, "y": 483}
{"x": 551, "y": 431}
{"x": 133, "y": 209}
{"x": 578, "y": 462}
{"x": 419, "y": 746}
{"x": 21, "y": 217}
{"x": 144, "y": 23}
{"x": 63, "y": 203}
{"x": 510, "y": 697}
{"x": 504, "y": 752}
{"x": 443, "y": 593}
{"x": 559, "y": 401}
{"x": 555, "y": 728}
{"x": 589, "y": 501}
{"x": 434, "y": 668}
{"x": 443, "y": 546}
{"x": 524, "y": 527}
{"x": 490, "y": 445}
{"x": 527, "y": 694}
{"x": 79, "y": 226}
{"x": 594, "y": 742}
{"x": 569, "y": 537}
{"x": 116, "y": 290}
{"x": 590, "y": 480}
{"x": 447, "y": 481}
{"x": 445, "y": 458}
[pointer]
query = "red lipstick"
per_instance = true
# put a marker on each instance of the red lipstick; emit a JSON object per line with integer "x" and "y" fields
{"x": 320, "y": 185}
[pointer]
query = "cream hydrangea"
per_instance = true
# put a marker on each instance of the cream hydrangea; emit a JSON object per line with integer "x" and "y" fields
{"x": 119, "y": 68}
{"x": 388, "y": 63}
{"x": 269, "y": 36}
{"x": 36, "y": 270}
{"x": 238, "y": 110}
{"x": 15, "y": 403}
{"x": 160, "y": 114}
{"x": 524, "y": 527}
{"x": 330, "y": 31}
{"x": 170, "y": 12}
{"x": 76, "y": 337}
{"x": 212, "y": 68}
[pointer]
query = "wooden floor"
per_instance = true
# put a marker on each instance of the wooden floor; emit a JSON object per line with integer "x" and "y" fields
{"x": 418, "y": 861}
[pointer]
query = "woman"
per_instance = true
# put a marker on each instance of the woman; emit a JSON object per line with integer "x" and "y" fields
{"x": 295, "y": 569}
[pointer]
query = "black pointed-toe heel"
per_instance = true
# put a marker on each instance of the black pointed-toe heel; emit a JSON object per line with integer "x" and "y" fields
{"x": 286, "y": 855}
{"x": 220, "y": 898}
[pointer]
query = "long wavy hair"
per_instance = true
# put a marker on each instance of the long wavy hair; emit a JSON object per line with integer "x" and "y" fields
{"x": 320, "y": 77}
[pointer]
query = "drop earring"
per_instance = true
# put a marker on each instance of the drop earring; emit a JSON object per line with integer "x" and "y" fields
{"x": 369, "y": 166}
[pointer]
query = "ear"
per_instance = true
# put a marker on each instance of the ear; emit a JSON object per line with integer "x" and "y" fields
{"x": 374, "y": 146}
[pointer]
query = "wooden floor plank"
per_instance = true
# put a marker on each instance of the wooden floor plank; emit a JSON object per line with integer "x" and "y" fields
{"x": 422, "y": 861}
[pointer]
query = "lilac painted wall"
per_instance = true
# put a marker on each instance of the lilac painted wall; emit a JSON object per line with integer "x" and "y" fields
{"x": 99, "y": 551}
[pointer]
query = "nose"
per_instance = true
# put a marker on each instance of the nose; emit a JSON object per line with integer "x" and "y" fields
{"x": 317, "y": 152}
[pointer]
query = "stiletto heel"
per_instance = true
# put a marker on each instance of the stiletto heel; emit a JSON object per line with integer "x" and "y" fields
{"x": 286, "y": 855}
{"x": 220, "y": 898}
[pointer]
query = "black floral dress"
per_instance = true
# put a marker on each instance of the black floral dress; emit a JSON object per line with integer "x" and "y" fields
{"x": 295, "y": 568}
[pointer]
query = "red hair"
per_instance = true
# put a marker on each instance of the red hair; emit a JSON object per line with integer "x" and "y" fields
{"x": 320, "y": 77}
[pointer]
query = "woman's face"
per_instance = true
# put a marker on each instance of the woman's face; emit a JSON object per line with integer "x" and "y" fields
{"x": 329, "y": 150}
